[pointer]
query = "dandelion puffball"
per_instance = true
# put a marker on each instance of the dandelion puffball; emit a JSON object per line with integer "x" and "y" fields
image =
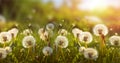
{"x": 115, "y": 40}
{"x": 62, "y": 32}
{"x": 86, "y": 37}
{"x": 3, "y": 53}
{"x": 50, "y": 26}
{"x": 8, "y": 49}
{"x": 43, "y": 34}
{"x": 28, "y": 41}
{"x": 5, "y": 37}
{"x": 76, "y": 32}
{"x": 27, "y": 32}
{"x": 14, "y": 32}
{"x": 91, "y": 53}
{"x": 81, "y": 49}
{"x": 41, "y": 31}
{"x": 61, "y": 41}
{"x": 100, "y": 29}
{"x": 47, "y": 51}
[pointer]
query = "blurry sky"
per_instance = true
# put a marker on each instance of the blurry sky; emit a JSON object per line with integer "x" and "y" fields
{"x": 89, "y": 4}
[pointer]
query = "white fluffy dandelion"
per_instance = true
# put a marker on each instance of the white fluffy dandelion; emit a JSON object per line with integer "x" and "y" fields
{"x": 100, "y": 29}
{"x": 47, "y": 51}
{"x": 61, "y": 41}
{"x": 81, "y": 49}
{"x": 41, "y": 31}
{"x": 5, "y": 37}
{"x": 76, "y": 32}
{"x": 91, "y": 53}
{"x": 27, "y": 32}
{"x": 8, "y": 49}
{"x": 43, "y": 34}
{"x": 3, "y": 53}
{"x": 86, "y": 37}
{"x": 50, "y": 26}
{"x": 28, "y": 41}
{"x": 14, "y": 32}
{"x": 63, "y": 32}
{"x": 115, "y": 40}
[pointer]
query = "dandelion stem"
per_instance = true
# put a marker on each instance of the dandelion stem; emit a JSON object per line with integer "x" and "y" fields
{"x": 4, "y": 45}
{"x": 28, "y": 53}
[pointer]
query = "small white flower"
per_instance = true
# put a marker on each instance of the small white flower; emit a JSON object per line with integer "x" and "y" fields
{"x": 47, "y": 51}
{"x": 61, "y": 41}
{"x": 3, "y": 53}
{"x": 100, "y": 29}
{"x": 91, "y": 53}
{"x": 14, "y": 32}
{"x": 27, "y": 32}
{"x": 8, "y": 49}
{"x": 28, "y": 41}
{"x": 50, "y": 26}
{"x": 86, "y": 37}
{"x": 115, "y": 40}
{"x": 81, "y": 49}
{"x": 5, "y": 37}
{"x": 63, "y": 32}
{"x": 2, "y": 19}
{"x": 76, "y": 32}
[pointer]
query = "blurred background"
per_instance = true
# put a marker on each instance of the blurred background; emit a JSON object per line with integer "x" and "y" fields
{"x": 83, "y": 13}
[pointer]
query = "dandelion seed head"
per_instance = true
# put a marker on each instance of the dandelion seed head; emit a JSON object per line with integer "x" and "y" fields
{"x": 50, "y": 26}
{"x": 27, "y": 32}
{"x": 63, "y": 32}
{"x": 8, "y": 49}
{"x": 100, "y": 29}
{"x": 47, "y": 51}
{"x": 28, "y": 41}
{"x": 61, "y": 41}
{"x": 86, "y": 37}
{"x": 5, "y": 37}
{"x": 81, "y": 49}
{"x": 14, "y": 32}
{"x": 76, "y": 32}
{"x": 91, "y": 53}
{"x": 44, "y": 36}
{"x": 115, "y": 40}
{"x": 3, "y": 53}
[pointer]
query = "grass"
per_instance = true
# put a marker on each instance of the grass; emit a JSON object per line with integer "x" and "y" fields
{"x": 68, "y": 55}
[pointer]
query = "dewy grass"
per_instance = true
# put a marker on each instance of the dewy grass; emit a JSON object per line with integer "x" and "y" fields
{"x": 55, "y": 54}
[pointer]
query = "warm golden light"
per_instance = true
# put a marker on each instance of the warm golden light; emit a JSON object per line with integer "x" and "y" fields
{"x": 98, "y": 4}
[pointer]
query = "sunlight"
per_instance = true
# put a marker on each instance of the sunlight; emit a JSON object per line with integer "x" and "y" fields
{"x": 98, "y": 4}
